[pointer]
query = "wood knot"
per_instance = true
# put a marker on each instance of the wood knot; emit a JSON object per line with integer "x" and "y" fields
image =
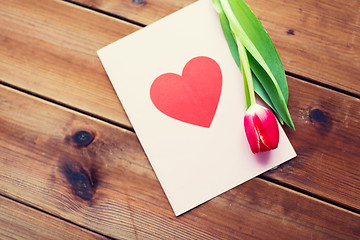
{"x": 291, "y": 32}
{"x": 139, "y": 1}
{"x": 321, "y": 120}
{"x": 317, "y": 115}
{"x": 80, "y": 179}
{"x": 82, "y": 138}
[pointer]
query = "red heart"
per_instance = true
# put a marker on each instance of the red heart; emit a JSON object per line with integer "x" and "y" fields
{"x": 192, "y": 97}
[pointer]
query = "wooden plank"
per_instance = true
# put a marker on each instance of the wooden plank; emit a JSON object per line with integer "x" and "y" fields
{"x": 57, "y": 42}
{"x": 100, "y": 178}
{"x": 21, "y": 222}
{"x": 140, "y": 11}
{"x": 49, "y": 48}
{"x": 45, "y": 74}
{"x": 315, "y": 39}
{"x": 327, "y": 140}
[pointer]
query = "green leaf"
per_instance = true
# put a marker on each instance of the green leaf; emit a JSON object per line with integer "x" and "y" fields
{"x": 250, "y": 32}
{"x": 225, "y": 25}
{"x": 272, "y": 91}
{"x": 240, "y": 24}
{"x": 259, "y": 89}
{"x": 235, "y": 54}
{"x": 247, "y": 76}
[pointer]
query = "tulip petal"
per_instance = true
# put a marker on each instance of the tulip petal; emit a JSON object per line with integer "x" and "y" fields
{"x": 261, "y": 128}
{"x": 267, "y": 128}
{"x": 251, "y": 133}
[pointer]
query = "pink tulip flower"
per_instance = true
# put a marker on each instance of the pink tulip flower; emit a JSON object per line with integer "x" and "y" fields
{"x": 261, "y": 129}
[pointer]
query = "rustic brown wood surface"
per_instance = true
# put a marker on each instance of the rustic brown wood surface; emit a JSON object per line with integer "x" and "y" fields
{"x": 327, "y": 140}
{"x": 49, "y": 48}
{"x": 20, "y": 222}
{"x": 315, "y": 39}
{"x": 91, "y": 92}
{"x": 62, "y": 49}
{"x": 104, "y": 182}
{"x": 65, "y": 156}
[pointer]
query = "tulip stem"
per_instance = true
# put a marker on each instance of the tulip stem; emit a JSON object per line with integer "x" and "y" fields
{"x": 246, "y": 72}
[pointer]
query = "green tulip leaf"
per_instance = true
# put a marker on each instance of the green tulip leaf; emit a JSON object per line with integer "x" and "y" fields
{"x": 235, "y": 54}
{"x": 241, "y": 26}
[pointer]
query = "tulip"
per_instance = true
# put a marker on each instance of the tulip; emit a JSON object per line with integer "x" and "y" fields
{"x": 246, "y": 37}
{"x": 261, "y": 128}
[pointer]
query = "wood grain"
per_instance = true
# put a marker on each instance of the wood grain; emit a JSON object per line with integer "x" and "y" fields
{"x": 49, "y": 48}
{"x": 315, "y": 39}
{"x": 102, "y": 179}
{"x": 140, "y": 11}
{"x": 57, "y": 42}
{"x": 96, "y": 175}
{"x": 29, "y": 62}
{"x": 21, "y": 222}
{"x": 327, "y": 140}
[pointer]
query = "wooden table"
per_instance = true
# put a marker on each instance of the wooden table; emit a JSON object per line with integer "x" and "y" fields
{"x": 71, "y": 167}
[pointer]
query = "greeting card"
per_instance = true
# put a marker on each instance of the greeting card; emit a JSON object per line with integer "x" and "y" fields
{"x": 184, "y": 96}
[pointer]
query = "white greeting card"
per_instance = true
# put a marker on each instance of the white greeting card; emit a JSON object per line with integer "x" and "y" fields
{"x": 184, "y": 96}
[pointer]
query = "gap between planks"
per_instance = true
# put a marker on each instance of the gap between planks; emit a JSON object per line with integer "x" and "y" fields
{"x": 105, "y": 13}
{"x": 54, "y": 216}
{"x": 91, "y": 115}
{"x": 324, "y": 85}
{"x": 73, "y": 108}
{"x": 309, "y": 194}
{"x": 288, "y": 73}
{"x": 34, "y": 208}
